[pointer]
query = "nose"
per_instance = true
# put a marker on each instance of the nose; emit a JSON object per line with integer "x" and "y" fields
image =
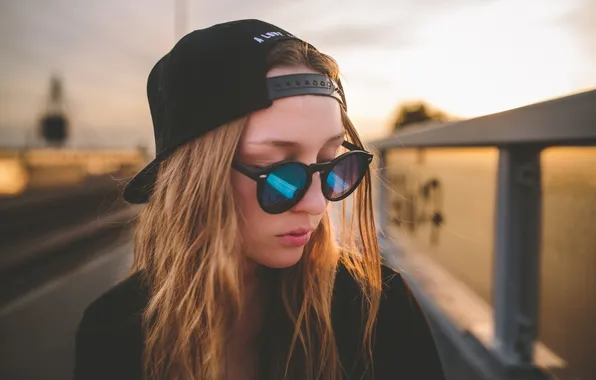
{"x": 313, "y": 202}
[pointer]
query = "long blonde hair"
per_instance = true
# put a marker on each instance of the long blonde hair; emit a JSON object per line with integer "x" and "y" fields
{"x": 188, "y": 244}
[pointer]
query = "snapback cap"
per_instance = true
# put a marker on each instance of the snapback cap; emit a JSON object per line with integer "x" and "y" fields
{"x": 211, "y": 77}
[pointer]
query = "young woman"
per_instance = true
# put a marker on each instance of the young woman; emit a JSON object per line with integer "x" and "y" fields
{"x": 238, "y": 273}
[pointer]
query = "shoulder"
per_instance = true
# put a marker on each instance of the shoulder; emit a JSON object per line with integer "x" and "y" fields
{"x": 399, "y": 310}
{"x": 403, "y": 341}
{"x": 397, "y": 302}
{"x": 349, "y": 310}
{"x": 394, "y": 287}
{"x": 119, "y": 306}
{"x": 109, "y": 338}
{"x": 396, "y": 291}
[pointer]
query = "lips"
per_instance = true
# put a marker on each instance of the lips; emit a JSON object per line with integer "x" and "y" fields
{"x": 296, "y": 238}
{"x": 298, "y": 231}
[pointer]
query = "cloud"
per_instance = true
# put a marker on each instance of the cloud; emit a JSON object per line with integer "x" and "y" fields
{"x": 360, "y": 36}
{"x": 581, "y": 21}
{"x": 337, "y": 24}
{"x": 386, "y": 48}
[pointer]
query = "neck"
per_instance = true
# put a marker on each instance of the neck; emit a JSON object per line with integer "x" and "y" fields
{"x": 249, "y": 324}
{"x": 250, "y": 278}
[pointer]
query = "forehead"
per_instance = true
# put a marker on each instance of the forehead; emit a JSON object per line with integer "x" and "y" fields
{"x": 308, "y": 120}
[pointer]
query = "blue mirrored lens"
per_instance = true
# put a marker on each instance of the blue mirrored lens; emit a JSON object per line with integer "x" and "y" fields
{"x": 283, "y": 185}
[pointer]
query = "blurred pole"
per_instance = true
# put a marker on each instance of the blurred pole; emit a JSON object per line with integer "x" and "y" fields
{"x": 517, "y": 255}
{"x": 180, "y": 18}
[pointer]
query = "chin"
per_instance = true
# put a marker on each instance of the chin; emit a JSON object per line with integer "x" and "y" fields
{"x": 282, "y": 258}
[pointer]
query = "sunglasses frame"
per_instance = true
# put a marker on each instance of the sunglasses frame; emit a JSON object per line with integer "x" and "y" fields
{"x": 259, "y": 175}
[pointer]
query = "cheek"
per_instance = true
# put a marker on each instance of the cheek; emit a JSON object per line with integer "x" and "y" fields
{"x": 253, "y": 220}
{"x": 258, "y": 228}
{"x": 245, "y": 193}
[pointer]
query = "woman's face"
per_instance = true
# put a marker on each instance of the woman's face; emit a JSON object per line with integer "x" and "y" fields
{"x": 304, "y": 128}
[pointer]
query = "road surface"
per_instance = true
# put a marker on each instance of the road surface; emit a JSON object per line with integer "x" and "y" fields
{"x": 37, "y": 330}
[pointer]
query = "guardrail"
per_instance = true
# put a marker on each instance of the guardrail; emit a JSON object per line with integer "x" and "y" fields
{"x": 520, "y": 135}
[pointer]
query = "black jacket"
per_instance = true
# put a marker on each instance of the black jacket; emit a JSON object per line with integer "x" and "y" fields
{"x": 109, "y": 340}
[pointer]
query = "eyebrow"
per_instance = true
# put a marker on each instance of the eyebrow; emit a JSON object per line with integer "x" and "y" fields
{"x": 286, "y": 143}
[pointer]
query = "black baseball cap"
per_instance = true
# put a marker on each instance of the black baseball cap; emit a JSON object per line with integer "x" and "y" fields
{"x": 211, "y": 77}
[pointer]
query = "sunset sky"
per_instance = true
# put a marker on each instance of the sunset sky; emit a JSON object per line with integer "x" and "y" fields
{"x": 467, "y": 57}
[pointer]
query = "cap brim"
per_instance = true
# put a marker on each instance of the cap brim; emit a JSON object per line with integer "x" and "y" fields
{"x": 139, "y": 189}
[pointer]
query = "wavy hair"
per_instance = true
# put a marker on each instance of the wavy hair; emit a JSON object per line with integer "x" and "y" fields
{"x": 188, "y": 244}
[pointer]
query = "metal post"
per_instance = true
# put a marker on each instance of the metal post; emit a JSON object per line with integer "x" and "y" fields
{"x": 517, "y": 255}
{"x": 382, "y": 200}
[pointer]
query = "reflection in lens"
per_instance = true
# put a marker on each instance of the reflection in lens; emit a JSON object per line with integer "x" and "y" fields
{"x": 283, "y": 188}
{"x": 282, "y": 185}
{"x": 336, "y": 183}
{"x": 346, "y": 173}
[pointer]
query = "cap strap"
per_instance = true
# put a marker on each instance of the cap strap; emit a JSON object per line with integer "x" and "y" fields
{"x": 304, "y": 84}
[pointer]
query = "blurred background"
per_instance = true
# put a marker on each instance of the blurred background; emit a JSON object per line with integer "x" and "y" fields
{"x": 75, "y": 126}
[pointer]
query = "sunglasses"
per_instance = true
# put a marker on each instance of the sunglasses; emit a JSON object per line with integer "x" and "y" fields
{"x": 282, "y": 185}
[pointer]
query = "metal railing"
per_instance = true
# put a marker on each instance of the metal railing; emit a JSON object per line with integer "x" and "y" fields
{"x": 520, "y": 135}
